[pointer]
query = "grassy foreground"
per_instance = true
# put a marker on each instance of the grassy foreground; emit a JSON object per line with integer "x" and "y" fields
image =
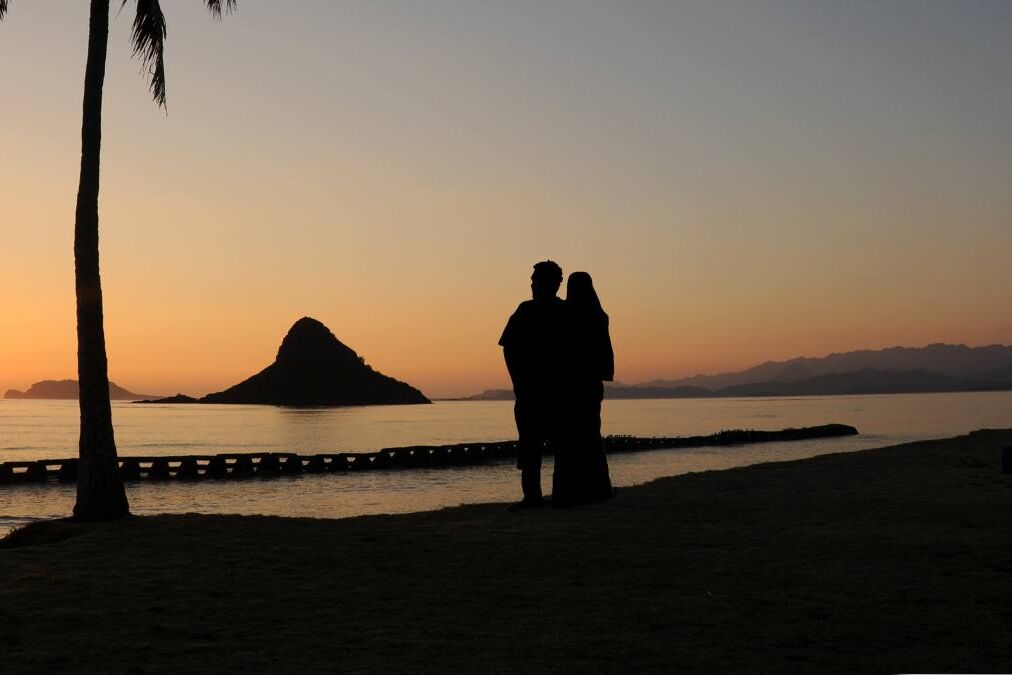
{"x": 890, "y": 560}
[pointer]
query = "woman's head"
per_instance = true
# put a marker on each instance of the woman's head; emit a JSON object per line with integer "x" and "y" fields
{"x": 580, "y": 292}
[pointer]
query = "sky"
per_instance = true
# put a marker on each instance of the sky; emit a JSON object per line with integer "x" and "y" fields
{"x": 745, "y": 181}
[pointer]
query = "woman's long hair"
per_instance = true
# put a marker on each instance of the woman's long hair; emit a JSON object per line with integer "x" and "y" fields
{"x": 591, "y": 324}
{"x": 580, "y": 294}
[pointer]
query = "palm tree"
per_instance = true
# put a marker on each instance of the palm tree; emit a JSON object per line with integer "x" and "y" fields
{"x": 100, "y": 493}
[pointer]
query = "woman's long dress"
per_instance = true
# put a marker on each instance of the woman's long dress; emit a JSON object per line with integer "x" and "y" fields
{"x": 581, "y": 466}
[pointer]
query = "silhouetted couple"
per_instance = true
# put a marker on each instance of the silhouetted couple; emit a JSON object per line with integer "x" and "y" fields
{"x": 558, "y": 353}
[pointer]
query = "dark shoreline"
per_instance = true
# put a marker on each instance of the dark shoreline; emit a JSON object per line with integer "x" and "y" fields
{"x": 886, "y": 560}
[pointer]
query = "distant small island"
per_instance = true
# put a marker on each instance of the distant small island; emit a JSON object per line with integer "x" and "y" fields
{"x": 898, "y": 370}
{"x": 67, "y": 390}
{"x": 312, "y": 368}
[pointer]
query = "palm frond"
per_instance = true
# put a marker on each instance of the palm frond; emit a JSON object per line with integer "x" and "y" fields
{"x": 3, "y": 8}
{"x": 148, "y": 38}
{"x": 215, "y": 7}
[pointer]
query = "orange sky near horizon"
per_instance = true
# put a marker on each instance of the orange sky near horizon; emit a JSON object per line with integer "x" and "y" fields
{"x": 743, "y": 184}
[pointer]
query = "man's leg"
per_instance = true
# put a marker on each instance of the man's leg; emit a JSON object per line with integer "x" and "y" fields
{"x": 529, "y": 453}
{"x": 530, "y": 479}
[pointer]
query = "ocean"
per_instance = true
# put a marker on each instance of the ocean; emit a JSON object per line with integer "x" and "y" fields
{"x": 48, "y": 430}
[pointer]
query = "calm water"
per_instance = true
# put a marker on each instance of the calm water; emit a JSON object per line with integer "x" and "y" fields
{"x": 48, "y": 429}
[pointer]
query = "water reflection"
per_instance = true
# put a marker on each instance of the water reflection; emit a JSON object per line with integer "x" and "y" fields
{"x": 41, "y": 429}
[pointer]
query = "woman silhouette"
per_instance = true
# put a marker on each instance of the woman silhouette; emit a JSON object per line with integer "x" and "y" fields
{"x": 581, "y": 473}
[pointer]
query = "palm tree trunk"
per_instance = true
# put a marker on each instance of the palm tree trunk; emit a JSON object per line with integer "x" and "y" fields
{"x": 100, "y": 492}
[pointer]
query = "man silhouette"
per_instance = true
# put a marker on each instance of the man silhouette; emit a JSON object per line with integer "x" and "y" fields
{"x": 533, "y": 345}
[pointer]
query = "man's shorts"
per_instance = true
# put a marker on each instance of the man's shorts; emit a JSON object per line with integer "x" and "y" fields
{"x": 536, "y": 426}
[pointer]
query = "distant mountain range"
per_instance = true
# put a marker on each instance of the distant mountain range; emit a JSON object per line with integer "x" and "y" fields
{"x": 898, "y": 370}
{"x": 67, "y": 390}
{"x": 959, "y": 361}
{"x": 314, "y": 368}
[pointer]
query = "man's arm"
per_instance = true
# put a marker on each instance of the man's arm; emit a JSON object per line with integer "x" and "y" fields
{"x": 512, "y": 351}
{"x": 512, "y": 362}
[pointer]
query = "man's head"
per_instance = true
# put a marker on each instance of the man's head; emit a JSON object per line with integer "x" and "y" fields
{"x": 545, "y": 280}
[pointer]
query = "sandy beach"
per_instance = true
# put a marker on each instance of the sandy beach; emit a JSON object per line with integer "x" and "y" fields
{"x": 889, "y": 560}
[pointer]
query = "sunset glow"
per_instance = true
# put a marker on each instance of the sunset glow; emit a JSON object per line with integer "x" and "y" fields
{"x": 395, "y": 169}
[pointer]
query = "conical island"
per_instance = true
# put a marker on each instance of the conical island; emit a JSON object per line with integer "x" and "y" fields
{"x": 314, "y": 368}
